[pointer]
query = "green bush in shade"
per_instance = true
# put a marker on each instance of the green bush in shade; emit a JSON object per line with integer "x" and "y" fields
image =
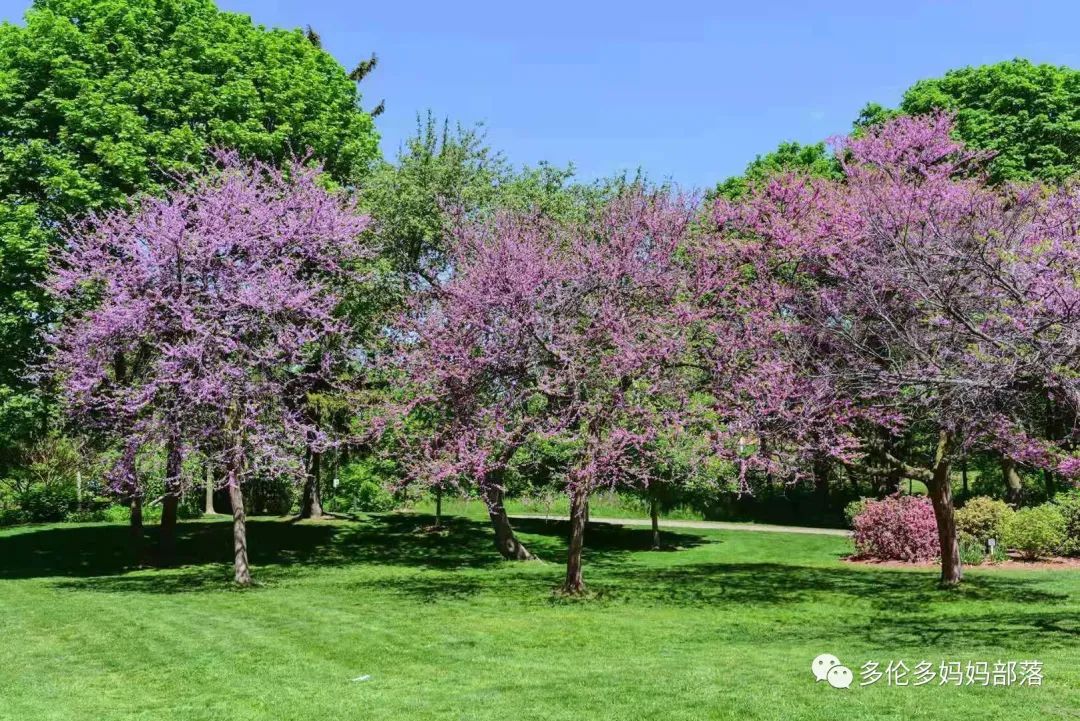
{"x": 1069, "y": 505}
{"x": 853, "y": 509}
{"x": 972, "y": 552}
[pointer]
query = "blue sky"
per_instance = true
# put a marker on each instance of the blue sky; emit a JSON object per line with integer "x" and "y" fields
{"x": 686, "y": 89}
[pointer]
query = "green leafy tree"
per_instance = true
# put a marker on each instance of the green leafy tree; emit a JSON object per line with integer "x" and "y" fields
{"x": 102, "y": 99}
{"x": 1028, "y": 114}
{"x": 812, "y": 159}
{"x": 446, "y": 170}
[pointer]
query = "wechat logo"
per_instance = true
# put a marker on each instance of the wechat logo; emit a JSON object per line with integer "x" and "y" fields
{"x": 827, "y": 667}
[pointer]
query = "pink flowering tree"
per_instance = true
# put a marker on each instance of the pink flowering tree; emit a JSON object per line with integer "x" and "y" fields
{"x": 546, "y": 330}
{"x": 200, "y": 321}
{"x": 911, "y": 295}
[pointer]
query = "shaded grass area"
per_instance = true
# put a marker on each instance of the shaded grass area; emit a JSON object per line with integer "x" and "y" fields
{"x": 716, "y": 626}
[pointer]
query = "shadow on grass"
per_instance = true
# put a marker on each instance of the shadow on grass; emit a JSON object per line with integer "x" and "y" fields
{"x": 743, "y": 585}
{"x": 393, "y": 539}
{"x": 908, "y": 607}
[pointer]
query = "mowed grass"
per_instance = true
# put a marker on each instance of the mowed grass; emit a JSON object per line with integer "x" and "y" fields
{"x": 717, "y": 626}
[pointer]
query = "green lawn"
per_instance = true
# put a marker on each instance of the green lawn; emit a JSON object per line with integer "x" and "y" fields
{"x": 724, "y": 626}
{"x": 601, "y": 505}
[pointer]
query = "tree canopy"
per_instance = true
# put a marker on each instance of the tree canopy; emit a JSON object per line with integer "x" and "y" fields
{"x": 105, "y": 99}
{"x": 1027, "y": 113}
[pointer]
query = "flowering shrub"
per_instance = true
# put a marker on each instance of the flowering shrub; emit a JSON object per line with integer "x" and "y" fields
{"x": 1036, "y": 532}
{"x": 898, "y": 528}
{"x": 983, "y": 518}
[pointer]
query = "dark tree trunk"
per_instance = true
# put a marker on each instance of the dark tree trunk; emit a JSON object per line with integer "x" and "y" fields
{"x": 241, "y": 569}
{"x": 136, "y": 525}
{"x": 438, "y": 507}
{"x": 579, "y": 508}
{"x": 1014, "y": 487}
{"x": 894, "y": 476}
{"x": 821, "y": 468}
{"x": 654, "y": 515}
{"x": 170, "y": 504}
{"x": 505, "y": 541}
{"x": 311, "y": 507}
{"x": 940, "y": 487}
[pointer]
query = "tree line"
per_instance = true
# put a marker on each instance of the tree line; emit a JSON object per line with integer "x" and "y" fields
{"x": 203, "y": 301}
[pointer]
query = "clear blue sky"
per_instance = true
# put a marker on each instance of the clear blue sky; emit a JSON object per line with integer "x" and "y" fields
{"x": 687, "y": 89}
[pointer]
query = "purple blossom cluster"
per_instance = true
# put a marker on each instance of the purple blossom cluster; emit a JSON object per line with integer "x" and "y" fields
{"x": 810, "y": 322}
{"x": 802, "y": 322}
{"x": 200, "y": 320}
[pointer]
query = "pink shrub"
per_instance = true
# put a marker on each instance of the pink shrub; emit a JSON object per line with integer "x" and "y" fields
{"x": 898, "y": 528}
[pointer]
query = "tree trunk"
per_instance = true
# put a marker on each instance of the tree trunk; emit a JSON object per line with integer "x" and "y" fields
{"x": 136, "y": 519}
{"x": 821, "y": 479}
{"x": 940, "y": 487}
{"x": 579, "y": 508}
{"x": 438, "y": 507}
{"x": 654, "y": 515}
{"x": 505, "y": 540}
{"x": 891, "y": 482}
{"x": 1014, "y": 488}
{"x": 242, "y": 571}
{"x": 170, "y": 504}
{"x": 312, "y": 503}
{"x": 208, "y": 484}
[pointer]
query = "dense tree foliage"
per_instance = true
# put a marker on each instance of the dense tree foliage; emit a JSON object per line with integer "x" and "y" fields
{"x": 814, "y": 159}
{"x": 1027, "y": 114}
{"x": 563, "y": 331}
{"x": 916, "y": 294}
{"x": 199, "y": 323}
{"x": 103, "y": 99}
{"x": 884, "y": 309}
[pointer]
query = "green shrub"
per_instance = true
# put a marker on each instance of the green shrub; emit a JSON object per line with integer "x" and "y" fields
{"x": 151, "y": 513}
{"x": 85, "y": 515}
{"x": 116, "y": 513}
{"x": 1036, "y": 532}
{"x": 1069, "y": 505}
{"x": 269, "y": 496}
{"x": 369, "y": 496}
{"x": 362, "y": 488}
{"x": 853, "y": 509}
{"x": 11, "y": 516}
{"x": 48, "y": 503}
{"x": 972, "y": 550}
{"x": 983, "y": 518}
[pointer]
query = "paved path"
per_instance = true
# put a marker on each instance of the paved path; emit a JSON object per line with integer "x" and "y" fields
{"x": 717, "y": 525}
